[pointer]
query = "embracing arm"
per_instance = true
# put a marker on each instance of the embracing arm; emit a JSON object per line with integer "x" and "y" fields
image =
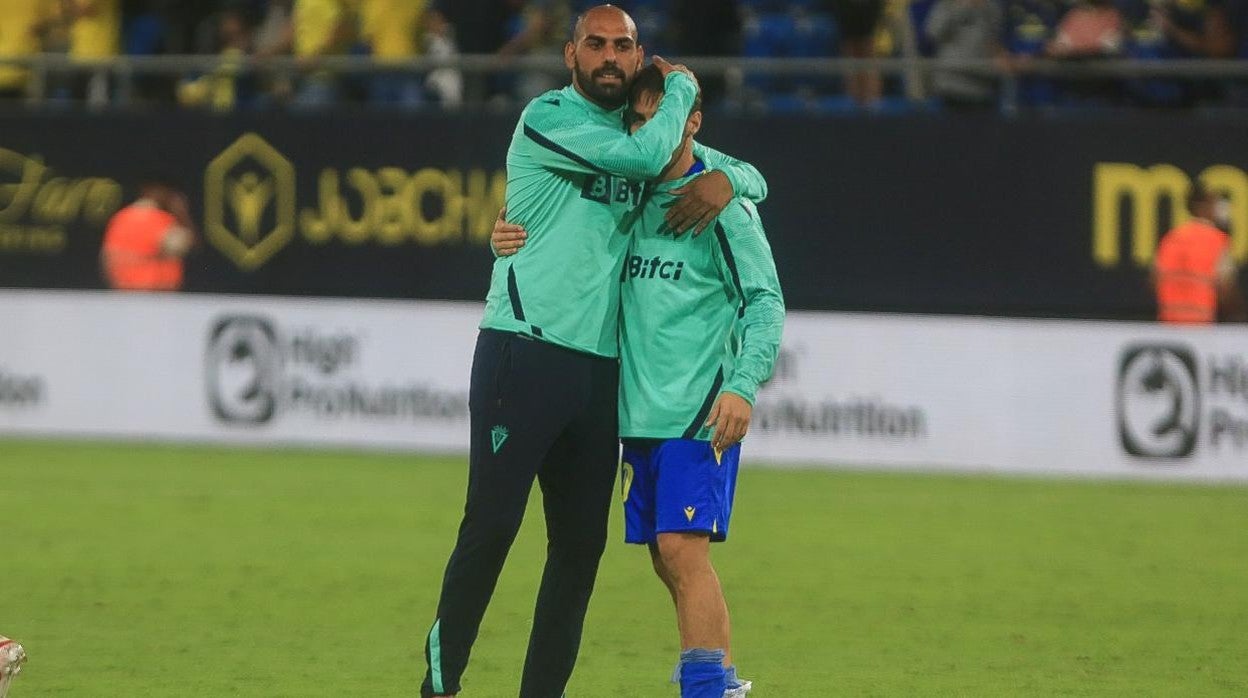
{"x": 747, "y": 182}
{"x": 704, "y": 198}
{"x": 600, "y": 149}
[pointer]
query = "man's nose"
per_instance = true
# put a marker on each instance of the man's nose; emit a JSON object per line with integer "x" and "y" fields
{"x": 609, "y": 54}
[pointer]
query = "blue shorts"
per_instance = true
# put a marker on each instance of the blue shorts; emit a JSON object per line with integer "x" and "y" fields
{"x": 676, "y": 486}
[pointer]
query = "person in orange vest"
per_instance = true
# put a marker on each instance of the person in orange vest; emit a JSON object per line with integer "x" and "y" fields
{"x": 1193, "y": 273}
{"x": 145, "y": 242}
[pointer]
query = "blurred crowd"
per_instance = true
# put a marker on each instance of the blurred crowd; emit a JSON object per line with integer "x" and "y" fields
{"x": 1009, "y": 33}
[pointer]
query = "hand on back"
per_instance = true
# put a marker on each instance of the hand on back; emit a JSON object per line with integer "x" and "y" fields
{"x": 507, "y": 238}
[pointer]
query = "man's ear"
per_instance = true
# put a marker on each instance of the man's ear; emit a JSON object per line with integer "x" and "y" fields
{"x": 569, "y": 55}
{"x": 641, "y": 57}
{"x": 693, "y": 124}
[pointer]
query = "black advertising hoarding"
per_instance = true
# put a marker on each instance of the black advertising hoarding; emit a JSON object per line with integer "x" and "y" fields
{"x": 366, "y": 205}
{"x": 957, "y": 214}
{"x": 963, "y": 214}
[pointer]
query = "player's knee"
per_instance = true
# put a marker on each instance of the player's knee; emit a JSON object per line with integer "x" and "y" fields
{"x": 682, "y": 554}
{"x": 660, "y": 568}
{"x": 656, "y": 559}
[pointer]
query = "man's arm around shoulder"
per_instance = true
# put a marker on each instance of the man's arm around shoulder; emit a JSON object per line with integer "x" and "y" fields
{"x": 567, "y": 139}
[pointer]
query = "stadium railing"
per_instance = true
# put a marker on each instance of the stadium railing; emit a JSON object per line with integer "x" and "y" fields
{"x": 914, "y": 73}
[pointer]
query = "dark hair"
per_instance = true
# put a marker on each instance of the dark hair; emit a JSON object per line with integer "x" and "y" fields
{"x": 1198, "y": 195}
{"x": 650, "y": 80}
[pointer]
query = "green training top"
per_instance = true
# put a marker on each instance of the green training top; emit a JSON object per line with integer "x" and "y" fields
{"x": 701, "y": 315}
{"x": 573, "y": 173}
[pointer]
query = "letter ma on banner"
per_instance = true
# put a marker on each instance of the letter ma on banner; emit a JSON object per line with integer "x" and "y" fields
{"x": 1142, "y": 204}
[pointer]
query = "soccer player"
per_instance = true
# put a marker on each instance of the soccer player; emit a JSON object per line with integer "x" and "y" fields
{"x": 700, "y": 331}
{"x": 545, "y": 372}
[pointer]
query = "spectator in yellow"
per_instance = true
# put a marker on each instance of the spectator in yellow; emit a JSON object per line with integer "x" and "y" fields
{"x": 228, "y": 86}
{"x": 320, "y": 28}
{"x": 20, "y": 32}
{"x": 94, "y": 35}
{"x": 392, "y": 30}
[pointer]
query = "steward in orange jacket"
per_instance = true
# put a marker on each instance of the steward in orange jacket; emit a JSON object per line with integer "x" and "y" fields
{"x": 145, "y": 242}
{"x": 1193, "y": 273}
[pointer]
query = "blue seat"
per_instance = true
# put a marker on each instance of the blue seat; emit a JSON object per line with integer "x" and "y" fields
{"x": 753, "y": 41}
{"x": 1150, "y": 45}
{"x": 651, "y": 23}
{"x": 143, "y": 35}
{"x": 786, "y": 103}
{"x": 815, "y": 36}
{"x": 837, "y": 104}
{"x": 893, "y": 105}
{"x": 766, "y": 36}
{"x": 779, "y": 30}
{"x": 794, "y": 34}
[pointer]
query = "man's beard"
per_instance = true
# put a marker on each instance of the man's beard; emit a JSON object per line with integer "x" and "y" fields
{"x": 610, "y": 96}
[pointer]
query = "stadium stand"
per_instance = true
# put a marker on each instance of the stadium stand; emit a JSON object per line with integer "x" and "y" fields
{"x": 254, "y": 40}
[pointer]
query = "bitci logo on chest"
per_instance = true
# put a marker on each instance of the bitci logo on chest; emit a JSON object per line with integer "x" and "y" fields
{"x": 638, "y": 267}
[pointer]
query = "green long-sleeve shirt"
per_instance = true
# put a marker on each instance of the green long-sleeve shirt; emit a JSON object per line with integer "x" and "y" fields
{"x": 573, "y": 174}
{"x": 701, "y": 315}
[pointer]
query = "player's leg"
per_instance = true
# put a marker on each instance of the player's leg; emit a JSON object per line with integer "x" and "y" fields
{"x": 577, "y": 485}
{"x": 700, "y": 605}
{"x": 736, "y": 686}
{"x": 637, "y": 482}
{"x": 693, "y": 505}
{"x": 512, "y": 427}
{"x": 660, "y": 569}
{"x": 693, "y": 501}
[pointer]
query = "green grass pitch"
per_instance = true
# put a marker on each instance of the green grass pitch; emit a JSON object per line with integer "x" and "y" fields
{"x": 135, "y": 570}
